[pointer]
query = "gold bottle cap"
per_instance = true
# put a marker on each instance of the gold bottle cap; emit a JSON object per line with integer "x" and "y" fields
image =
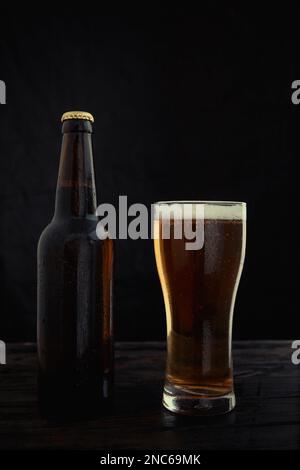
{"x": 77, "y": 115}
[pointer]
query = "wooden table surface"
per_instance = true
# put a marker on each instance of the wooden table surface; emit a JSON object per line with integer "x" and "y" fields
{"x": 267, "y": 415}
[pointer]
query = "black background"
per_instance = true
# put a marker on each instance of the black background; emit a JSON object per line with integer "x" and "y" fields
{"x": 186, "y": 106}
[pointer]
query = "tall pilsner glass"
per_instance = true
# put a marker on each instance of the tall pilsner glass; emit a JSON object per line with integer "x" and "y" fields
{"x": 199, "y": 285}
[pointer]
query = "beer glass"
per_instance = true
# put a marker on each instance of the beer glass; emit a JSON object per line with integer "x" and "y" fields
{"x": 199, "y": 250}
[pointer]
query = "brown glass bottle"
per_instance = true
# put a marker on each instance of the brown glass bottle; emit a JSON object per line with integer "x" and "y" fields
{"x": 75, "y": 275}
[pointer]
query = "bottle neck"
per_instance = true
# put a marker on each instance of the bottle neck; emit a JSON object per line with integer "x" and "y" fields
{"x": 76, "y": 190}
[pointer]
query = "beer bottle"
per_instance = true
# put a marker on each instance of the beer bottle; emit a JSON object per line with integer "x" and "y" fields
{"x": 75, "y": 274}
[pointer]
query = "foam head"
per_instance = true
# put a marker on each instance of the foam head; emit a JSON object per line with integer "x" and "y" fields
{"x": 184, "y": 210}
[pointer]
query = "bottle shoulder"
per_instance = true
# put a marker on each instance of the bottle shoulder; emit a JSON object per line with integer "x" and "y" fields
{"x": 62, "y": 231}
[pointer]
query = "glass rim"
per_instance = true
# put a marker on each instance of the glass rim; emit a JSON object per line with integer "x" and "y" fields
{"x": 212, "y": 203}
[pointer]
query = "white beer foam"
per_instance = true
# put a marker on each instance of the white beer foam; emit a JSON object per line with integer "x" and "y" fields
{"x": 198, "y": 210}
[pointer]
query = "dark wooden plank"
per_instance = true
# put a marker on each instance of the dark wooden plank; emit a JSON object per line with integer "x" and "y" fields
{"x": 267, "y": 413}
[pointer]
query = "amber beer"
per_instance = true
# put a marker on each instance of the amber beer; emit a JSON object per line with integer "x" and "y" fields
{"x": 75, "y": 274}
{"x": 199, "y": 288}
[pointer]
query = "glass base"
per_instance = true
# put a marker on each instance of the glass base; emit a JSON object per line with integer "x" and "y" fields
{"x": 186, "y": 402}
